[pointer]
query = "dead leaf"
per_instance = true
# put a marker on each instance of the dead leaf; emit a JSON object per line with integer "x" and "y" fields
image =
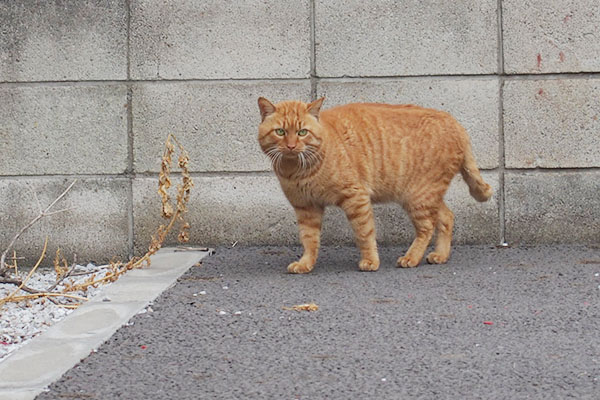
{"x": 303, "y": 307}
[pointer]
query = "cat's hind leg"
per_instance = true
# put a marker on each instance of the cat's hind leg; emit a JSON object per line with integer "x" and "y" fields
{"x": 445, "y": 223}
{"x": 424, "y": 220}
{"x": 309, "y": 222}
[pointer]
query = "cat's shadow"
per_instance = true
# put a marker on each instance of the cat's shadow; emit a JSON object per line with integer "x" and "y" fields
{"x": 332, "y": 260}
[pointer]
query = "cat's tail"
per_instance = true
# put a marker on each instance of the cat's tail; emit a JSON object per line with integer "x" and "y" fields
{"x": 478, "y": 188}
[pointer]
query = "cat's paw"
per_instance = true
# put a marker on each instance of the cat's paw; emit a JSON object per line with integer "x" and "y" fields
{"x": 407, "y": 262}
{"x": 299, "y": 267}
{"x": 436, "y": 258}
{"x": 368, "y": 265}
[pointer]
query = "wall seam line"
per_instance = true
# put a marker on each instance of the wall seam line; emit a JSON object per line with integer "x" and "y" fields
{"x": 144, "y": 174}
{"x": 313, "y": 54}
{"x": 129, "y": 172}
{"x": 501, "y": 147}
{"x": 450, "y": 77}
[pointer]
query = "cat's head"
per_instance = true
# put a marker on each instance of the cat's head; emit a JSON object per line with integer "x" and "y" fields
{"x": 291, "y": 130}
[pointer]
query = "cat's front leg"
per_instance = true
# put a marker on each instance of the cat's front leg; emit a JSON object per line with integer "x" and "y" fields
{"x": 309, "y": 222}
{"x": 359, "y": 212}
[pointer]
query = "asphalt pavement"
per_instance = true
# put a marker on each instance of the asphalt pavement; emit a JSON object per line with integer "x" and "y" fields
{"x": 493, "y": 323}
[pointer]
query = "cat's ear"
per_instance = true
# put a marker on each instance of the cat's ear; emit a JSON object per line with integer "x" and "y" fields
{"x": 314, "y": 107}
{"x": 266, "y": 107}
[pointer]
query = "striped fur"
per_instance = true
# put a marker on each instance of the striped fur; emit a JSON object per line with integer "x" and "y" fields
{"x": 354, "y": 155}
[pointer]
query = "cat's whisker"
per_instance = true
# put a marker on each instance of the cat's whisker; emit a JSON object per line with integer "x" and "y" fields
{"x": 313, "y": 157}
{"x": 309, "y": 159}
{"x": 278, "y": 161}
{"x": 272, "y": 152}
{"x": 275, "y": 156}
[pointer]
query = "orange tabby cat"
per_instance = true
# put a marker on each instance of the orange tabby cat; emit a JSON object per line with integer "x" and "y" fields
{"x": 358, "y": 154}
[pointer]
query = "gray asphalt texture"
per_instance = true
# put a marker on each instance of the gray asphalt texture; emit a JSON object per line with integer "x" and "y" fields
{"x": 391, "y": 334}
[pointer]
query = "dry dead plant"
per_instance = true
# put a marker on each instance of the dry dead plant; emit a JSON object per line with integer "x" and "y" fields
{"x": 172, "y": 213}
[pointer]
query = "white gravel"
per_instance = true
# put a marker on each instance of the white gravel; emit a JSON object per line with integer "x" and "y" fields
{"x": 20, "y": 322}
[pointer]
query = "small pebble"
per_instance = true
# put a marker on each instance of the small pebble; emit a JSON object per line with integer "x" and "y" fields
{"x": 20, "y": 322}
{"x": 237, "y": 313}
{"x": 222, "y": 312}
{"x": 203, "y": 292}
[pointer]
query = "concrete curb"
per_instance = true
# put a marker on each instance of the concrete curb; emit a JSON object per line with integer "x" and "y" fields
{"x": 27, "y": 371}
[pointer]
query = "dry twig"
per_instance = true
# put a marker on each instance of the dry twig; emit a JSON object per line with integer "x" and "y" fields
{"x": 173, "y": 214}
{"x": 42, "y": 213}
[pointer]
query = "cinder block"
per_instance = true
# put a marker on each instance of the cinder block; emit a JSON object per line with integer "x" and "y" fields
{"x": 217, "y": 40}
{"x": 96, "y": 228}
{"x": 552, "y": 207}
{"x": 542, "y": 36}
{"x": 216, "y": 122}
{"x": 390, "y": 38}
{"x": 247, "y": 209}
{"x": 552, "y": 123}
{"x": 63, "y": 130}
{"x": 473, "y": 102}
{"x": 58, "y": 41}
{"x": 252, "y": 209}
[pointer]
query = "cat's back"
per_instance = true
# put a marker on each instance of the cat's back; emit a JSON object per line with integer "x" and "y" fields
{"x": 390, "y": 119}
{"x": 387, "y": 145}
{"x": 372, "y": 117}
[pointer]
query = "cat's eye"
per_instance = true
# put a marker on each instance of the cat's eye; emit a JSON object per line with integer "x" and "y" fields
{"x": 302, "y": 132}
{"x": 280, "y": 132}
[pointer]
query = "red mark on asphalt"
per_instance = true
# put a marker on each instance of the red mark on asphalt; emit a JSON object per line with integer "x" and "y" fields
{"x": 539, "y": 60}
{"x": 567, "y": 18}
{"x": 143, "y": 347}
{"x": 561, "y": 56}
{"x": 541, "y": 91}
{"x": 488, "y": 322}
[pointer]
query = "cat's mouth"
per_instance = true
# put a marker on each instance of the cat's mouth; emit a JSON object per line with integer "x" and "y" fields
{"x": 293, "y": 153}
{"x": 305, "y": 159}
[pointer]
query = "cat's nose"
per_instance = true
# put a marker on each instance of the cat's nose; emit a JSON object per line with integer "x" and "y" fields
{"x": 291, "y": 146}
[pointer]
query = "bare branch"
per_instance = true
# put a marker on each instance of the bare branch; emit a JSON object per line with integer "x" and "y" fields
{"x": 19, "y": 283}
{"x": 59, "y": 197}
{"x": 43, "y": 213}
{"x": 47, "y": 214}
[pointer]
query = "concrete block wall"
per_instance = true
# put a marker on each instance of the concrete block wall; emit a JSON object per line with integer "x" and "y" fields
{"x": 89, "y": 89}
